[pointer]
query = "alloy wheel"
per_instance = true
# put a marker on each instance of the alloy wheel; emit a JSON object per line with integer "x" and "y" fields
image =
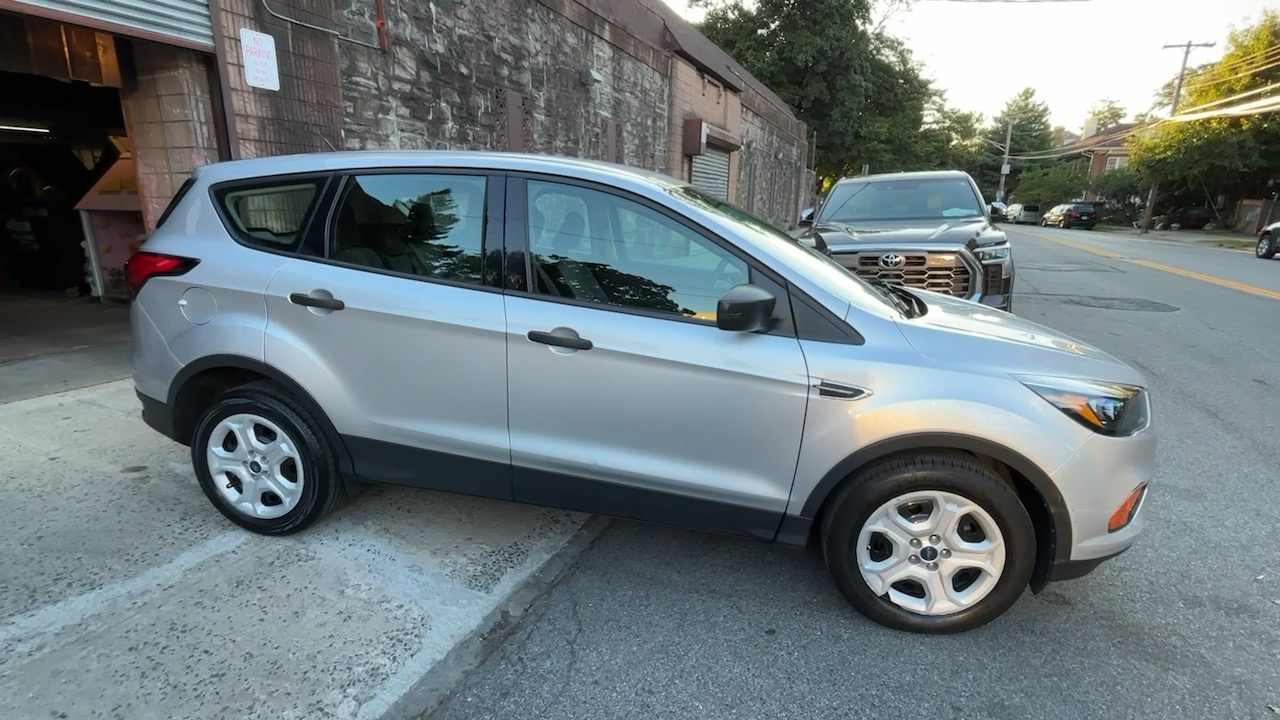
{"x": 256, "y": 467}
{"x": 933, "y": 553}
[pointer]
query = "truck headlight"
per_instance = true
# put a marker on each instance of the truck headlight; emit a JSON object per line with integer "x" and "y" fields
{"x": 1106, "y": 408}
{"x": 993, "y": 253}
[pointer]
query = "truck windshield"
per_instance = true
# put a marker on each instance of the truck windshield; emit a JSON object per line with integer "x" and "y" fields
{"x": 907, "y": 199}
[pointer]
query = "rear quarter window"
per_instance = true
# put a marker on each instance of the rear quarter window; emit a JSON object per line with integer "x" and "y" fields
{"x": 272, "y": 215}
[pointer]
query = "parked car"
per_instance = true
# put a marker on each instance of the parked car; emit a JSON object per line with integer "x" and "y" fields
{"x": 1192, "y": 218}
{"x": 580, "y": 335}
{"x": 998, "y": 211}
{"x": 1020, "y": 214}
{"x": 1268, "y": 242}
{"x": 1071, "y": 215}
{"x": 925, "y": 230}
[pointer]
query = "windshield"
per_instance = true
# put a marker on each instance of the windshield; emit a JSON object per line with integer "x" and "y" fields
{"x": 907, "y": 199}
{"x": 815, "y": 265}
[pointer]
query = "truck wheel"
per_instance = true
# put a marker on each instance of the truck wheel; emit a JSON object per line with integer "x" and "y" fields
{"x": 930, "y": 543}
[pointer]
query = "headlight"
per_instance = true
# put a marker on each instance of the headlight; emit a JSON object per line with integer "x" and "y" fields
{"x": 1107, "y": 408}
{"x": 993, "y": 253}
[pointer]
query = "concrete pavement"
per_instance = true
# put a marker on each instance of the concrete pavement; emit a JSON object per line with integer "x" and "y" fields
{"x": 664, "y": 623}
{"x": 126, "y": 595}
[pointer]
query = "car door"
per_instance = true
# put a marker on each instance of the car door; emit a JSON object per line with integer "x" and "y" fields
{"x": 398, "y": 331}
{"x": 625, "y": 398}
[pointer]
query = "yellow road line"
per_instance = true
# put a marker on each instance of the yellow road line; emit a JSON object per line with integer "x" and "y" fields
{"x": 1073, "y": 244}
{"x": 1242, "y": 287}
{"x": 1223, "y": 282}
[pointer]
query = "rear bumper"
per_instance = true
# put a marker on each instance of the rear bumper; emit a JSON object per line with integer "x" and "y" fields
{"x": 158, "y": 416}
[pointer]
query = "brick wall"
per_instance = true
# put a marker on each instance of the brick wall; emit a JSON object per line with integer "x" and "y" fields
{"x": 171, "y": 121}
{"x": 694, "y": 95}
{"x": 470, "y": 74}
{"x": 305, "y": 114}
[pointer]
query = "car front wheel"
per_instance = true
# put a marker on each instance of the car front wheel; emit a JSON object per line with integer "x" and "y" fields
{"x": 931, "y": 543}
{"x": 263, "y": 461}
{"x": 1266, "y": 247}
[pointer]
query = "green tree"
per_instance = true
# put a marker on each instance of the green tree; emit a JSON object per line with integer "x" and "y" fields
{"x": 1121, "y": 193}
{"x": 1108, "y": 112}
{"x": 1054, "y": 183}
{"x": 952, "y": 139}
{"x": 1032, "y": 133}
{"x": 858, "y": 89}
{"x": 1235, "y": 155}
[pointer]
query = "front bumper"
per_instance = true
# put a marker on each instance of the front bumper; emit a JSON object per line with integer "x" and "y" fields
{"x": 1095, "y": 482}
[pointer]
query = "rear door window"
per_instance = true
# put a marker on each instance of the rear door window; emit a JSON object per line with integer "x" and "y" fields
{"x": 270, "y": 215}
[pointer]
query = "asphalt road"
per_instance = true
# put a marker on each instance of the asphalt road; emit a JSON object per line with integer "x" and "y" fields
{"x": 664, "y": 623}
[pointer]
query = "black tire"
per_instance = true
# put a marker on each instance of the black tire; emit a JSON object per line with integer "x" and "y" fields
{"x": 954, "y": 472}
{"x": 1064, "y": 224}
{"x": 321, "y": 487}
{"x": 1266, "y": 248}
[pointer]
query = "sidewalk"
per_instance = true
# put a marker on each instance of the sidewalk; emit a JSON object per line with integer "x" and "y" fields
{"x": 126, "y": 594}
{"x": 1210, "y": 238}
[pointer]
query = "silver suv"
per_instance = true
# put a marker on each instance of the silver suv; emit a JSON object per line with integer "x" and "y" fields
{"x": 593, "y": 337}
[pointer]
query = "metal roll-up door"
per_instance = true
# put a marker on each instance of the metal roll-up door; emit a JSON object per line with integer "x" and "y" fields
{"x": 711, "y": 172}
{"x": 183, "y": 22}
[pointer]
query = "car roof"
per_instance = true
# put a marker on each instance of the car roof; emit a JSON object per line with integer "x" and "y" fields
{"x": 341, "y": 160}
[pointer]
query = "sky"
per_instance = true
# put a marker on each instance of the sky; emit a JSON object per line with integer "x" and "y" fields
{"x": 1073, "y": 53}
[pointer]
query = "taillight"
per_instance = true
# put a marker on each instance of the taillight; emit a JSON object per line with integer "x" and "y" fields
{"x": 145, "y": 265}
{"x": 1075, "y": 214}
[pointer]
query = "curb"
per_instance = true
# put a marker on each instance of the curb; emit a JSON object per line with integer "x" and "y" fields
{"x": 432, "y": 689}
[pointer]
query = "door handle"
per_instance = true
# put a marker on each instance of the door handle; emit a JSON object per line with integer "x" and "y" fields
{"x": 316, "y": 302}
{"x": 546, "y": 338}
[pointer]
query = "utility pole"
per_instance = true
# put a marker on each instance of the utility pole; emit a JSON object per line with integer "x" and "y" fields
{"x": 1149, "y": 210}
{"x": 1004, "y": 166}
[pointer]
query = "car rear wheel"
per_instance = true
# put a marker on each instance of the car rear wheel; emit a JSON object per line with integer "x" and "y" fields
{"x": 262, "y": 460}
{"x": 931, "y": 543}
{"x": 1064, "y": 224}
{"x": 1266, "y": 247}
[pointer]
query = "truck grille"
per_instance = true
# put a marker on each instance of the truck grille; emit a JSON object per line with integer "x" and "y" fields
{"x": 942, "y": 272}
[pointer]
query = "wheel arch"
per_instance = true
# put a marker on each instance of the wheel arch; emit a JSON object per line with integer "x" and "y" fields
{"x": 1036, "y": 490}
{"x": 200, "y": 381}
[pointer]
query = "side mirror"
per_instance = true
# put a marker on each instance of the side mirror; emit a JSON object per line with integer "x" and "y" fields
{"x": 745, "y": 308}
{"x": 806, "y": 218}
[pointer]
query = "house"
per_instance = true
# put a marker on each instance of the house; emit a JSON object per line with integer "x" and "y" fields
{"x": 1107, "y": 149}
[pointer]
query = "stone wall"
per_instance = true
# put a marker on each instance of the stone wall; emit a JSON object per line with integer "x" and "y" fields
{"x": 170, "y": 113}
{"x": 771, "y": 173}
{"x": 464, "y": 74}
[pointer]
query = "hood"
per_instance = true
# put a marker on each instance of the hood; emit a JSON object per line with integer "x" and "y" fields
{"x": 958, "y": 332}
{"x": 970, "y": 232}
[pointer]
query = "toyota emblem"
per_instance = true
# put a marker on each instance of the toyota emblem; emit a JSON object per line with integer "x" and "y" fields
{"x": 892, "y": 260}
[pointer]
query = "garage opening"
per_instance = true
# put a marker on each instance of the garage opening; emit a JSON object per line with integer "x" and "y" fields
{"x": 70, "y": 213}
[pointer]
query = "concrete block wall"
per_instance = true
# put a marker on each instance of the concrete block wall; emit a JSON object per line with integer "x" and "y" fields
{"x": 170, "y": 114}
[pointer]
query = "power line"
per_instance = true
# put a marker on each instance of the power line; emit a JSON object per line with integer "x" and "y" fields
{"x": 1262, "y": 56}
{"x": 1235, "y": 97}
{"x": 1245, "y": 73}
